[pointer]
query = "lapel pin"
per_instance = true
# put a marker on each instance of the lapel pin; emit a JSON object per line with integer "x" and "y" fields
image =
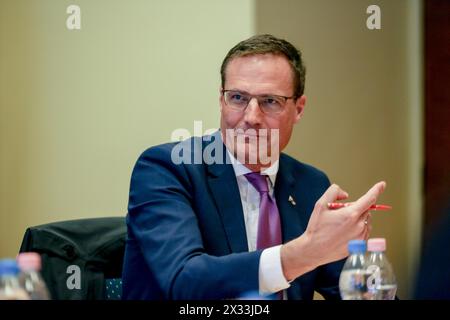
{"x": 291, "y": 200}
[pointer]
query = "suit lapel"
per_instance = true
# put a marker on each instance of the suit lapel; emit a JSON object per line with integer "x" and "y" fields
{"x": 293, "y": 213}
{"x": 225, "y": 191}
{"x": 288, "y": 204}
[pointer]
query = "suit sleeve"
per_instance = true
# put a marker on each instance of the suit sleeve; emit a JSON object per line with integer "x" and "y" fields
{"x": 162, "y": 219}
{"x": 327, "y": 283}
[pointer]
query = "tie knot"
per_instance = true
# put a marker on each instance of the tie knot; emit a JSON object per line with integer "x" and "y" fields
{"x": 258, "y": 181}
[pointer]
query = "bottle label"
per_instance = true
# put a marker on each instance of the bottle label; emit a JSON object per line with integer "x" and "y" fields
{"x": 374, "y": 278}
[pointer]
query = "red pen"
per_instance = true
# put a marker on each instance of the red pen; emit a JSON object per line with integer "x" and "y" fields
{"x": 375, "y": 207}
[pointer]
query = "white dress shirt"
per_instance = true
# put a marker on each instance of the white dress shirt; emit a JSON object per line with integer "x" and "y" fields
{"x": 271, "y": 278}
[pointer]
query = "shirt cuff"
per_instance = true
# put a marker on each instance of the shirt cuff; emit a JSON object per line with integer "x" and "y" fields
{"x": 271, "y": 277}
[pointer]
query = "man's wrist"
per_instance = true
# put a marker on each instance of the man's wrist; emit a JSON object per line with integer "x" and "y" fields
{"x": 294, "y": 258}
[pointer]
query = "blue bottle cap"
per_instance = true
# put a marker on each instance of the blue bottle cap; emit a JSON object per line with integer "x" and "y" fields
{"x": 357, "y": 246}
{"x": 8, "y": 267}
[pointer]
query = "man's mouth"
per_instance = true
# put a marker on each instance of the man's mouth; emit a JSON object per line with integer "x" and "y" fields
{"x": 249, "y": 133}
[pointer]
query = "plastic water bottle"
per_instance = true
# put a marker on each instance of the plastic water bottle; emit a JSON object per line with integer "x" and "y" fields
{"x": 9, "y": 283}
{"x": 30, "y": 278}
{"x": 381, "y": 283}
{"x": 352, "y": 281}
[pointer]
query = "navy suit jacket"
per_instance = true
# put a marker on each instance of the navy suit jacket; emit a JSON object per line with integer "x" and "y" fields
{"x": 186, "y": 232}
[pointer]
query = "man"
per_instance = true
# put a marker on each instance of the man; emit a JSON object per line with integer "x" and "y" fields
{"x": 215, "y": 229}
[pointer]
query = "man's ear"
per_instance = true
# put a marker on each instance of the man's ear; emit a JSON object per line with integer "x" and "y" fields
{"x": 300, "y": 104}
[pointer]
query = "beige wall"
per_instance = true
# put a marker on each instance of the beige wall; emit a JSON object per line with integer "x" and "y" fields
{"x": 362, "y": 120}
{"x": 77, "y": 107}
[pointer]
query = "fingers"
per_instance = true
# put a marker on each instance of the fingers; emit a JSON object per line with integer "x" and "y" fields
{"x": 363, "y": 203}
{"x": 333, "y": 193}
{"x": 365, "y": 225}
{"x": 368, "y": 228}
{"x": 366, "y": 216}
{"x": 369, "y": 231}
{"x": 342, "y": 196}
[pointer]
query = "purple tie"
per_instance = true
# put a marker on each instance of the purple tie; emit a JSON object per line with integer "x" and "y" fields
{"x": 269, "y": 227}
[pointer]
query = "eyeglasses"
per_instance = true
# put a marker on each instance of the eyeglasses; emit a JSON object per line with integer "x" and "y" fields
{"x": 269, "y": 104}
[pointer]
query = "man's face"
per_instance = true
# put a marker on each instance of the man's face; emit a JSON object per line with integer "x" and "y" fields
{"x": 262, "y": 74}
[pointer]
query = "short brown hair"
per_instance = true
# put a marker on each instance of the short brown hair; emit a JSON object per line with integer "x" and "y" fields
{"x": 266, "y": 43}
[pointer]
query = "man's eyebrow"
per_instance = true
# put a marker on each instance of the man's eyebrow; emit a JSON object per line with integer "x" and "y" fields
{"x": 248, "y": 93}
{"x": 240, "y": 91}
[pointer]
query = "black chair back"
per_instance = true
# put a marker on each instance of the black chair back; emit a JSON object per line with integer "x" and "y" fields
{"x": 79, "y": 256}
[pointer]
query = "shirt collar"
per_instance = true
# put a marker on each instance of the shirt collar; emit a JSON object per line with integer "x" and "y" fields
{"x": 240, "y": 169}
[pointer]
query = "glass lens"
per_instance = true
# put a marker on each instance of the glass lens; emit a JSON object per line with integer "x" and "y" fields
{"x": 236, "y": 99}
{"x": 271, "y": 104}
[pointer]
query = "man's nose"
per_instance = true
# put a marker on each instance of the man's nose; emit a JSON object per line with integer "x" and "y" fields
{"x": 253, "y": 114}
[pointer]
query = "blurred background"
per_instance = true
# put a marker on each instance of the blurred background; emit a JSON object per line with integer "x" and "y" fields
{"x": 77, "y": 107}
